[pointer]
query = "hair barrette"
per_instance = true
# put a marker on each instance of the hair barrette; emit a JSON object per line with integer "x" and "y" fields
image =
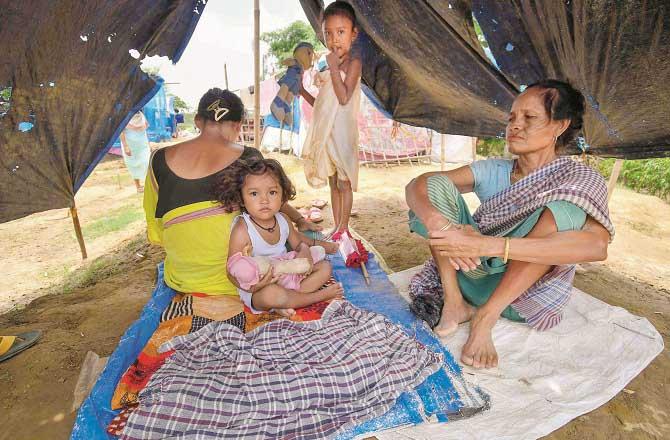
{"x": 219, "y": 112}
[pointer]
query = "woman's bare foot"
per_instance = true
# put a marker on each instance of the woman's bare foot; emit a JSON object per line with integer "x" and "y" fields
{"x": 286, "y": 313}
{"x": 452, "y": 316}
{"x": 479, "y": 351}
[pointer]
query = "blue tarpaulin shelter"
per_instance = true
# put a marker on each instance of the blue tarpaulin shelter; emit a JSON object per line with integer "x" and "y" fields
{"x": 159, "y": 112}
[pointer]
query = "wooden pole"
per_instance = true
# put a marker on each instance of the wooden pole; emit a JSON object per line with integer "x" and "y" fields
{"x": 616, "y": 170}
{"x": 474, "y": 149}
{"x": 225, "y": 74}
{"x": 77, "y": 231}
{"x": 443, "y": 151}
{"x": 257, "y": 75}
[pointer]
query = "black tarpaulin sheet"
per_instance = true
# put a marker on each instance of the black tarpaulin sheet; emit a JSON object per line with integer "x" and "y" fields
{"x": 423, "y": 62}
{"x": 616, "y": 52}
{"x": 74, "y": 81}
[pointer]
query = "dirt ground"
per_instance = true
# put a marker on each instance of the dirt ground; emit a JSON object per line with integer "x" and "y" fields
{"x": 87, "y": 306}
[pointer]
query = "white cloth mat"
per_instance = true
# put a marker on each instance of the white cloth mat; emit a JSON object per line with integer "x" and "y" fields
{"x": 546, "y": 379}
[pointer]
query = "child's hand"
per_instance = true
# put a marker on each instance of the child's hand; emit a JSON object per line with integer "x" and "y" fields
{"x": 268, "y": 279}
{"x": 330, "y": 247}
{"x": 333, "y": 61}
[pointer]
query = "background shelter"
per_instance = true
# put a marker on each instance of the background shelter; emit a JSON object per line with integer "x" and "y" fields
{"x": 159, "y": 112}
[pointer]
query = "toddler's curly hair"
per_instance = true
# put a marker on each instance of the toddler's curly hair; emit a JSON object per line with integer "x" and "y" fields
{"x": 227, "y": 189}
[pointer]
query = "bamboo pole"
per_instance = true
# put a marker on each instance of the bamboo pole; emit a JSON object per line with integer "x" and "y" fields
{"x": 616, "y": 170}
{"x": 443, "y": 151}
{"x": 77, "y": 231}
{"x": 474, "y": 149}
{"x": 225, "y": 74}
{"x": 257, "y": 75}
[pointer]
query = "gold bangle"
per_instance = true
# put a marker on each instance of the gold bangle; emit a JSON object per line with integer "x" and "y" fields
{"x": 446, "y": 227}
{"x": 506, "y": 256}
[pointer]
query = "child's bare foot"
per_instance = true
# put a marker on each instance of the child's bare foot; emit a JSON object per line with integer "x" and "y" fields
{"x": 286, "y": 313}
{"x": 334, "y": 291}
{"x": 452, "y": 316}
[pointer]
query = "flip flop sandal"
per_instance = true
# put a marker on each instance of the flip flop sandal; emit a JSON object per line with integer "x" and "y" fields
{"x": 315, "y": 215}
{"x": 12, "y": 345}
{"x": 353, "y": 213}
{"x": 304, "y": 212}
{"x": 337, "y": 235}
{"x": 318, "y": 203}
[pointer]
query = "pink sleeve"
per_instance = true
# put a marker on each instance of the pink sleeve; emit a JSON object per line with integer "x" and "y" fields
{"x": 244, "y": 270}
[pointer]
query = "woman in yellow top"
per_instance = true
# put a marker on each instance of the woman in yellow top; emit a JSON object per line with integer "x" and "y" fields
{"x": 194, "y": 229}
{"x": 182, "y": 215}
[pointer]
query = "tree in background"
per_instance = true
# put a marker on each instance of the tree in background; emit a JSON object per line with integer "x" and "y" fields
{"x": 283, "y": 41}
{"x": 180, "y": 103}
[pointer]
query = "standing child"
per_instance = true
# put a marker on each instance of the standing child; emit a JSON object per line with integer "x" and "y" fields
{"x": 260, "y": 188}
{"x": 331, "y": 146}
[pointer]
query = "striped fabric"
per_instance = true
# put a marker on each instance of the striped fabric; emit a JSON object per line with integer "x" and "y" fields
{"x": 284, "y": 380}
{"x": 563, "y": 179}
{"x": 178, "y": 308}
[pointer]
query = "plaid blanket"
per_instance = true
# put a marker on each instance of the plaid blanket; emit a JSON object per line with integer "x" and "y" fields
{"x": 283, "y": 380}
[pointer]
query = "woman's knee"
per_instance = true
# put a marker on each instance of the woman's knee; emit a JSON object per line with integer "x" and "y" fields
{"x": 546, "y": 225}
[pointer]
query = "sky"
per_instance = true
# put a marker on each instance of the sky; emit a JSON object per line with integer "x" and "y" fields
{"x": 224, "y": 34}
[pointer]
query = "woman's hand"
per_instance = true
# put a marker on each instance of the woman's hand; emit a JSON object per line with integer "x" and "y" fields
{"x": 268, "y": 279}
{"x": 461, "y": 243}
{"x": 303, "y": 225}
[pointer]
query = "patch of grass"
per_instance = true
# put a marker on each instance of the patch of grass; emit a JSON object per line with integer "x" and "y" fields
{"x": 56, "y": 272}
{"x": 651, "y": 176}
{"x": 103, "y": 267}
{"x": 115, "y": 221}
{"x": 491, "y": 147}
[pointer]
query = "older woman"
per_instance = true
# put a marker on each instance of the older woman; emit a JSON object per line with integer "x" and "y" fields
{"x": 540, "y": 215}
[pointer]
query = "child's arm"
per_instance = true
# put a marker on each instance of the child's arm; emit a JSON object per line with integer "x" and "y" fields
{"x": 239, "y": 240}
{"x": 124, "y": 144}
{"x": 344, "y": 89}
{"x": 306, "y": 95}
{"x": 296, "y": 239}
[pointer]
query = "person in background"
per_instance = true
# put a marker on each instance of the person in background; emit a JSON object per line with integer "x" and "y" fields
{"x": 135, "y": 149}
{"x": 178, "y": 119}
{"x": 330, "y": 151}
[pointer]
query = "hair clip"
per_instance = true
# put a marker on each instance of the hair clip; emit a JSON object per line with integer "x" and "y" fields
{"x": 219, "y": 112}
